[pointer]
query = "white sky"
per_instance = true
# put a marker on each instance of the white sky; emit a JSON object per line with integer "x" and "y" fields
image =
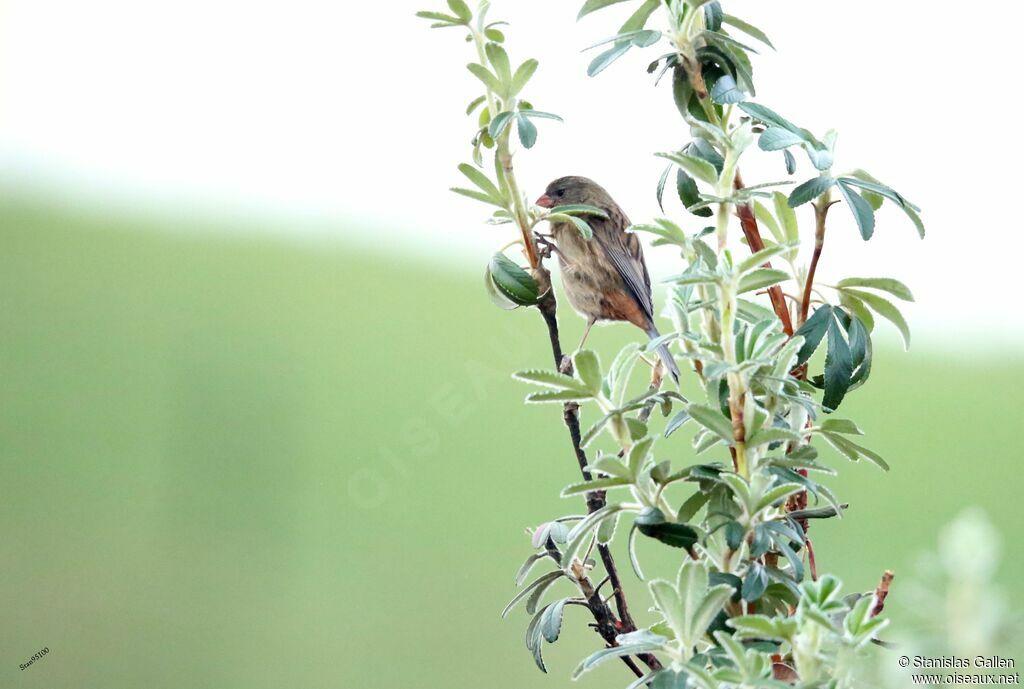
{"x": 328, "y": 111}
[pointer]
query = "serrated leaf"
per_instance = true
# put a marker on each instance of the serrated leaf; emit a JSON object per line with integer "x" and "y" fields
{"x": 810, "y": 190}
{"x": 861, "y": 209}
{"x": 712, "y": 420}
{"x": 485, "y": 76}
{"x": 777, "y": 138}
{"x": 890, "y": 285}
{"x": 726, "y": 92}
{"x": 697, "y": 167}
{"x": 550, "y": 379}
{"x": 761, "y": 278}
{"x": 594, "y": 484}
{"x": 813, "y": 329}
{"x": 747, "y": 28}
{"x": 542, "y": 582}
{"x": 886, "y": 309}
{"x": 589, "y": 369}
{"x": 838, "y": 366}
{"x": 523, "y": 74}
{"x": 527, "y": 131}
{"x": 605, "y": 59}
{"x": 512, "y": 281}
{"x": 551, "y": 620}
{"x": 483, "y": 183}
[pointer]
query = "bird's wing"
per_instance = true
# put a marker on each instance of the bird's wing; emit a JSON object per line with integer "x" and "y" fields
{"x": 624, "y": 251}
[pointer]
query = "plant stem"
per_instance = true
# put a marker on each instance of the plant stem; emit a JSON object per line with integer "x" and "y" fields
{"x": 752, "y": 232}
{"x": 820, "y": 214}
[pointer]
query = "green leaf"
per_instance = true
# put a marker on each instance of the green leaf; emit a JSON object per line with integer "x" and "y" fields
{"x": 651, "y": 523}
{"x": 582, "y": 209}
{"x": 594, "y": 5}
{"x": 761, "y": 278}
{"x": 861, "y": 209}
{"x": 498, "y": 58}
{"x": 857, "y": 308}
{"x": 772, "y": 118}
{"x": 527, "y": 131}
{"x": 485, "y": 76}
{"x": 771, "y": 435}
{"x": 810, "y": 190}
{"x": 746, "y": 28}
{"x": 498, "y": 124}
{"x": 483, "y": 182}
{"x": 765, "y": 217}
{"x": 551, "y": 620}
{"x": 841, "y": 426}
{"x": 474, "y": 104}
{"x": 886, "y": 309}
{"x": 697, "y": 167}
{"x": 777, "y": 138}
{"x": 853, "y": 450}
{"x": 499, "y": 299}
{"x": 760, "y": 257}
{"x": 589, "y": 369}
{"x": 554, "y": 396}
{"x": 542, "y": 582}
{"x": 712, "y": 420}
{"x": 838, "y": 366}
{"x": 605, "y": 654}
{"x": 605, "y": 59}
{"x": 787, "y": 216}
{"x": 692, "y": 505}
{"x": 550, "y": 379}
{"x": 476, "y": 196}
{"x": 686, "y": 187}
{"x": 523, "y": 74}
{"x": 581, "y": 225}
{"x": 594, "y": 484}
{"x": 755, "y": 582}
{"x": 726, "y": 92}
{"x": 638, "y": 19}
{"x": 870, "y": 185}
{"x": 813, "y": 329}
{"x": 890, "y": 285}
{"x": 666, "y": 597}
{"x": 529, "y": 112}
{"x": 461, "y": 9}
{"x": 512, "y": 281}
{"x": 439, "y": 17}
{"x": 787, "y": 156}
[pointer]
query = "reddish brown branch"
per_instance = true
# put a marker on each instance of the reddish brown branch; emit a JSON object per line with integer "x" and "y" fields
{"x": 820, "y": 213}
{"x": 881, "y": 593}
{"x": 748, "y": 221}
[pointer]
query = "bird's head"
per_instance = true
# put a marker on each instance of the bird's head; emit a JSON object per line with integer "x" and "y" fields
{"x": 572, "y": 190}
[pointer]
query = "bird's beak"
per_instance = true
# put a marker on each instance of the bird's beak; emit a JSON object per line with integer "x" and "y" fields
{"x": 545, "y": 201}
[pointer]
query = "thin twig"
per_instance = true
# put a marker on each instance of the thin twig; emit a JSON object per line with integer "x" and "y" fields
{"x": 881, "y": 593}
{"x": 748, "y": 221}
{"x": 607, "y": 625}
{"x": 820, "y": 214}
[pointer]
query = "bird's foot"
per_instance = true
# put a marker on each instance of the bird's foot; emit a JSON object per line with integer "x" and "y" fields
{"x": 546, "y": 246}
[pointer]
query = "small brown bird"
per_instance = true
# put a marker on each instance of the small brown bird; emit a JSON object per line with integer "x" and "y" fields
{"x": 605, "y": 277}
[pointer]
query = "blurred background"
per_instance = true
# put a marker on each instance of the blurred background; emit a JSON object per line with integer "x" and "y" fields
{"x": 257, "y": 427}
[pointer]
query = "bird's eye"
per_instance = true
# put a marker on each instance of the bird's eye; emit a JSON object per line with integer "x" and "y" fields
{"x": 560, "y": 193}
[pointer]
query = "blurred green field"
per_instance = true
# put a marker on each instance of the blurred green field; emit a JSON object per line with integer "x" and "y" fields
{"x": 233, "y": 463}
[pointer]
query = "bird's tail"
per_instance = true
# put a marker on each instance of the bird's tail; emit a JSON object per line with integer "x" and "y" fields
{"x": 664, "y": 354}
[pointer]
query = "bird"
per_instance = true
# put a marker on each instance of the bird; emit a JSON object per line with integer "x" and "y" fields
{"x": 605, "y": 277}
